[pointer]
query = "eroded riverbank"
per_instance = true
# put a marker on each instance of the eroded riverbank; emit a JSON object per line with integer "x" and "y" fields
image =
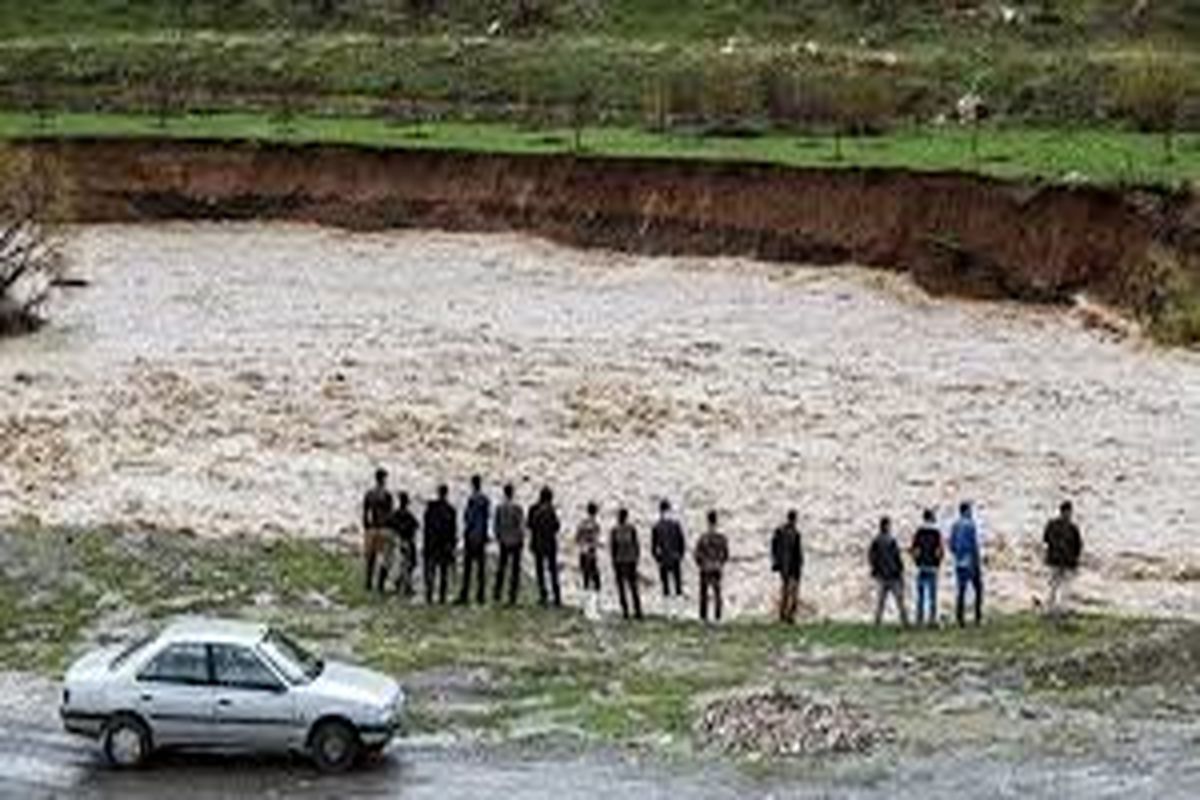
{"x": 246, "y": 379}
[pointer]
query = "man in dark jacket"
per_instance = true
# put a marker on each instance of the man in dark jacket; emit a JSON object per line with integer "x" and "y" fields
{"x": 403, "y": 524}
{"x": 623, "y": 545}
{"x": 376, "y": 508}
{"x": 543, "y": 534}
{"x": 441, "y": 540}
{"x": 510, "y": 533}
{"x": 787, "y": 559}
{"x": 1064, "y": 546}
{"x": 927, "y": 553}
{"x": 477, "y": 516}
{"x": 887, "y": 568}
{"x": 667, "y": 545}
{"x": 712, "y": 552}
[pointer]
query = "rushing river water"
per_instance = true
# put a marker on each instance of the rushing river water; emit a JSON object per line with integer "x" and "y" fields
{"x": 248, "y": 378}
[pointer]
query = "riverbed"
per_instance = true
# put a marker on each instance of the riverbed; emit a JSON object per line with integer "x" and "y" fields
{"x": 246, "y": 379}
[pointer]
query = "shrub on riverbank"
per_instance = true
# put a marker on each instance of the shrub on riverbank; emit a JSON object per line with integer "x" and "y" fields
{"x": 30, "y": 259}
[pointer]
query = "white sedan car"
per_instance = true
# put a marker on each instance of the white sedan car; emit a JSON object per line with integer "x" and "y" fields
{"x": 229, "y": 685}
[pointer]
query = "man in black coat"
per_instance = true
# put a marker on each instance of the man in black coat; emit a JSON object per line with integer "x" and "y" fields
{"x": 543, "y": 527}
{"x": 927, "y": 552}
{"x": 668, "y": 546}
{"x": 1064, "y": 546}
{"x": 403, "y": 524}
{"x": 441, "y": 541}
{"x": 887, "y": 568}
{"x": 787, "y": 559}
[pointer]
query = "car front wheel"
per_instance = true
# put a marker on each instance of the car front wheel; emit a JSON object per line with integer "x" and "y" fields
{"x": 126, "y": 742}
{"x": 335, "y": 746}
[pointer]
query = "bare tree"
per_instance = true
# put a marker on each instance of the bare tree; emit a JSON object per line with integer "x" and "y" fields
{"x": 31, "y": 204}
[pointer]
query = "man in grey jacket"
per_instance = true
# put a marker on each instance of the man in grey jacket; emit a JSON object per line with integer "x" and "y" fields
{"x": 623, "y": 545}
{"x": 510, "y": 533}
{"x": 712, "y": 552}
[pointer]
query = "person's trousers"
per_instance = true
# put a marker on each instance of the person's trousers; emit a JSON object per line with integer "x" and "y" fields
{"x": 474, "y": 562}
{"x": 927, "y": 585}
{"x": 710, "y": 583}
{"x": 591, "y": 572}
{"x": 789, "y": 599}
{"x": 406, "y": 567}
{"x": 671, "y": 572}
{"x": 895, "y": 588}
{"x": 627, "y": 582}
{"x": 510, "y": 567}
{"x": 969, "y": 578}
{"x": 547, "y": 562}
{"x": 437, "y": 571}
{"x": 1060, "y": 578}
{"x": 375, "y": 554}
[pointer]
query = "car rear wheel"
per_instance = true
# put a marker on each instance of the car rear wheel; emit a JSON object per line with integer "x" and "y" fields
{"x": 335, "y": 746}
{"x": 126, "y": 742}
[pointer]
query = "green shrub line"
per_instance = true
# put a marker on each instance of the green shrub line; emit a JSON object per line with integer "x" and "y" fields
{"x": 541, "y": 81}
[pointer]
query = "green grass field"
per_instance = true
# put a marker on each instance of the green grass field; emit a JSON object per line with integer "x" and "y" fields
{"x": 1098, "y": 156}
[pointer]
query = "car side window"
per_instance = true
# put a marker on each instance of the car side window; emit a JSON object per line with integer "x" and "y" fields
{"x": 240, "y": 668}
{"x": 185, "y": 663}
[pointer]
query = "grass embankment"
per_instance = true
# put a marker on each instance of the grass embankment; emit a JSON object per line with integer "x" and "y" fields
{"x": 1098, "y": 156}
{"x": 528, "y": 672}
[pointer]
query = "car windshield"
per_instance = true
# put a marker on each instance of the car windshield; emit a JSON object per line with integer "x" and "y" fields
{"x": 299, "y": 665}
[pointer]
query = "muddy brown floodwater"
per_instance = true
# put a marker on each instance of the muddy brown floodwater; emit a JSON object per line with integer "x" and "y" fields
{"x": 247, "y": 378}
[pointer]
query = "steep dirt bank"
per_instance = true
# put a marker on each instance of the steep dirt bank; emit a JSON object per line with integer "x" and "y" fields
{"x": 954, "y": 232}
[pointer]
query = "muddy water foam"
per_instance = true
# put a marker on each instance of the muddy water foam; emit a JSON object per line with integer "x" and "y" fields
{"x": 247, "y": 378}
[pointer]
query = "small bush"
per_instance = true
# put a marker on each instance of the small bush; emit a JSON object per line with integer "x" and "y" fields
{"x": 1151, "y": 91}
{"x": 1178, "y": 322}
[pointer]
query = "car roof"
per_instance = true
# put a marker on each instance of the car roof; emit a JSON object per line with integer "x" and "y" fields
{"x": 214, "y": 631}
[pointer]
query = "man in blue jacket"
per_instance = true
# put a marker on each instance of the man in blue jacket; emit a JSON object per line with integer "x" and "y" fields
{"x": 968, "y": 565}
{"x": 476, "y": 517}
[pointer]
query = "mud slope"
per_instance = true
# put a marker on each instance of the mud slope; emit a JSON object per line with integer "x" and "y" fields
{"x": 954, "y": 232}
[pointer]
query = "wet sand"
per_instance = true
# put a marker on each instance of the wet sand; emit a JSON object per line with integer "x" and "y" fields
{"x": 246, "y": 379}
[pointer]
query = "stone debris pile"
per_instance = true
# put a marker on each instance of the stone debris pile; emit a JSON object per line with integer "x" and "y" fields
{"x": 778, "y": 723}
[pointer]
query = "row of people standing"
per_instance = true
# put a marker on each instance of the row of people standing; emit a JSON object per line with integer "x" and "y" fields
{"x": 391, "y": 531}
{"x": 1061, "y": 540}
{"x": 390, "y": 548}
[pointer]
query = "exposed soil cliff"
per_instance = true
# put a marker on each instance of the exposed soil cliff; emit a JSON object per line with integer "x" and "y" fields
{"x": 954, "y": 232}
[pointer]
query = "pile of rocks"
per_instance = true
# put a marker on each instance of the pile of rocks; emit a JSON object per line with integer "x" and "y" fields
{"x": 778, "y": 723}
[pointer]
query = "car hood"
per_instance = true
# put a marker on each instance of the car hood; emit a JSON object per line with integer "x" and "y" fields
{"x": 94, "y": 666}
{"x": 356, "y": 685}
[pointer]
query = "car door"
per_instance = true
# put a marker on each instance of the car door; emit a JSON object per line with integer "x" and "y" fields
{"x": 176, "y": 696}
{"x": 254, "y": 708}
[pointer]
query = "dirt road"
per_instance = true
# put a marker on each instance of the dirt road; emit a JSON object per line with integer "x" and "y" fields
{"x": 36, "y": 761}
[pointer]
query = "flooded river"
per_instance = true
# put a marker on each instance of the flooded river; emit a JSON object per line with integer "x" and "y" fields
{"x": 247, "y": 379}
